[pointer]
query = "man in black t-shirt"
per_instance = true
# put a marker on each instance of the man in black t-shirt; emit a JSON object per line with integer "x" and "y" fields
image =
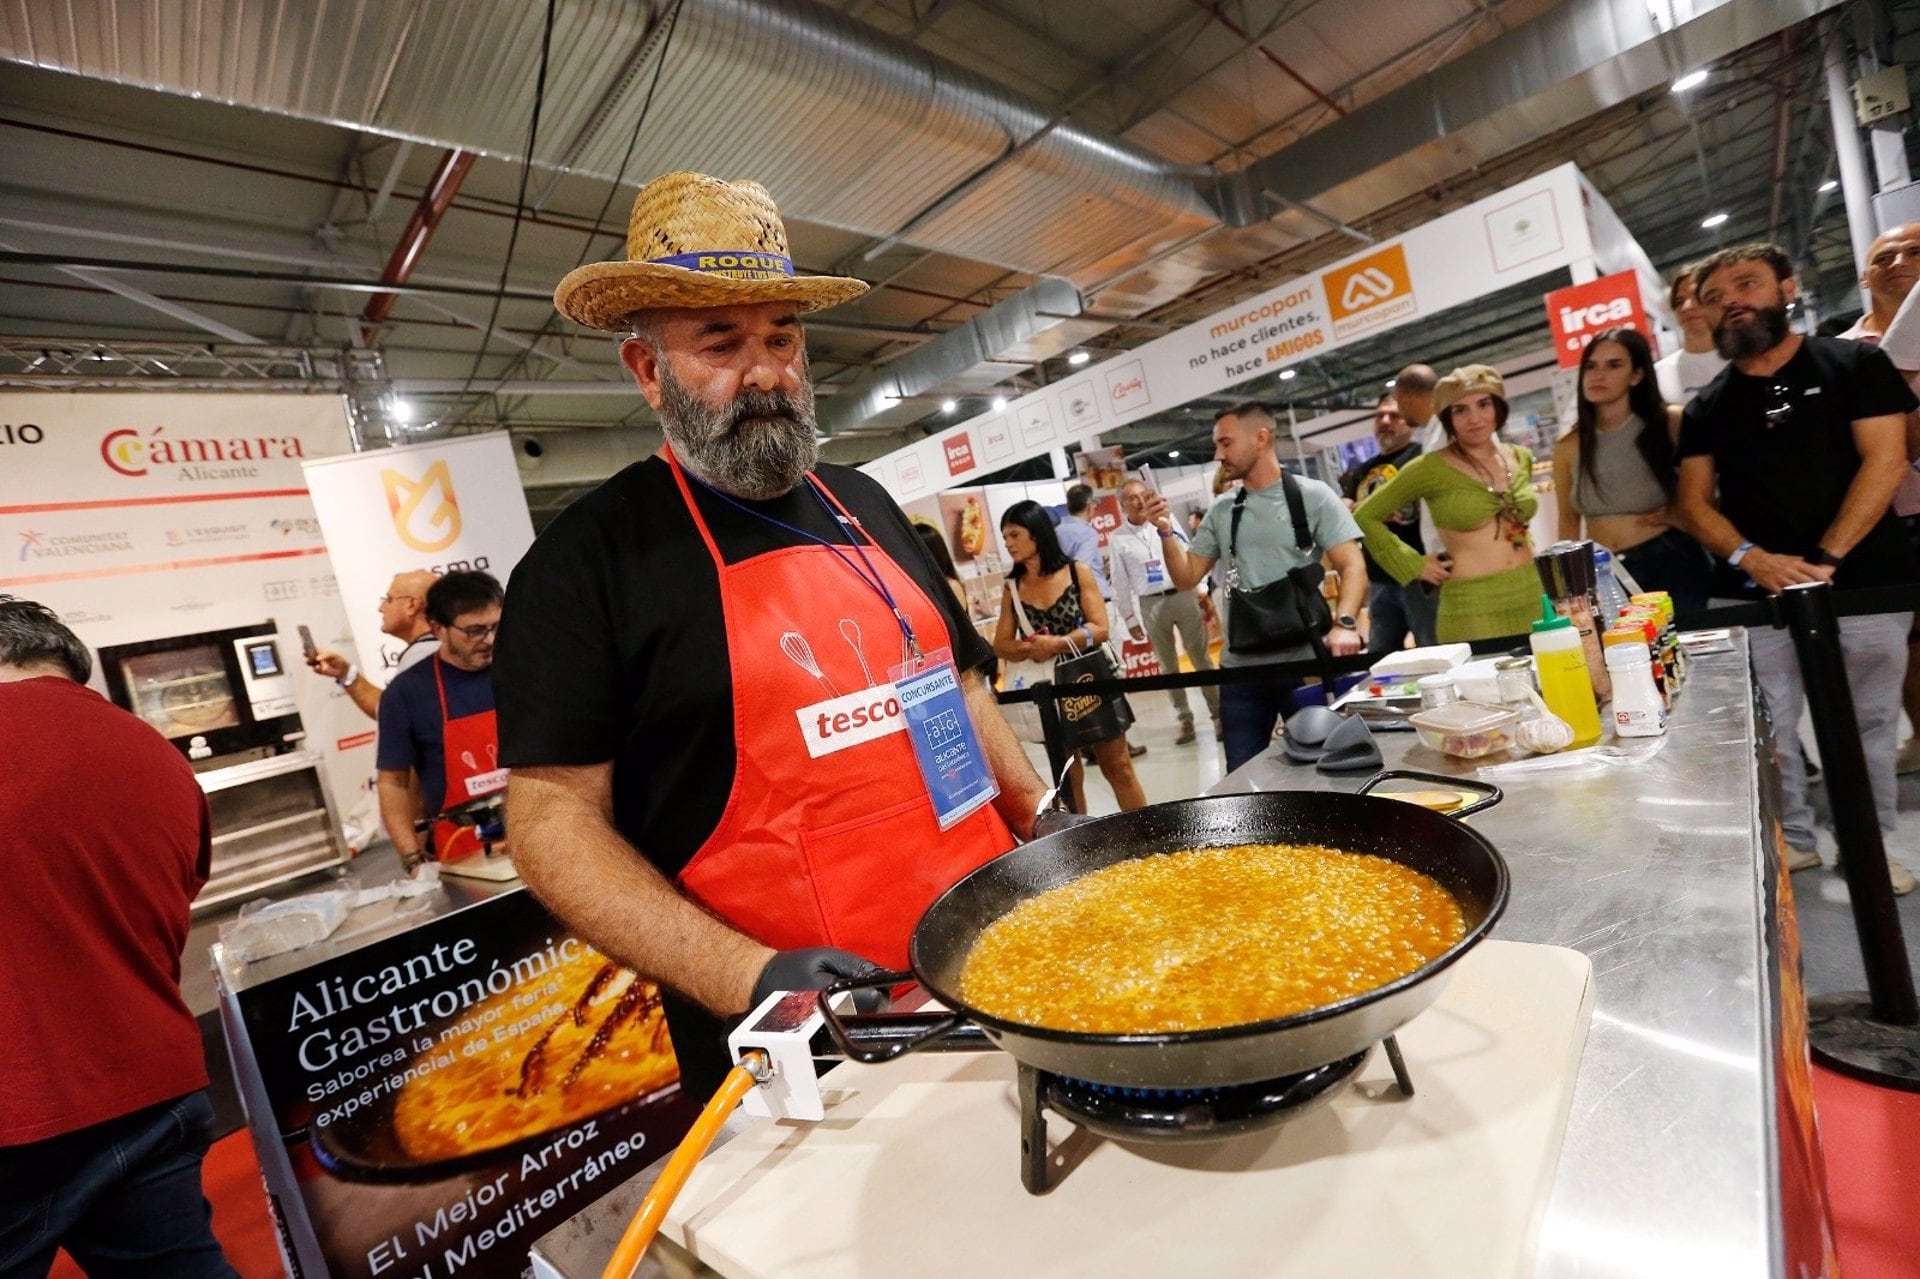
{"x": 713, "y": 779}
{"x": 1805, "y": 441}
{"x": 1393, "y": 611}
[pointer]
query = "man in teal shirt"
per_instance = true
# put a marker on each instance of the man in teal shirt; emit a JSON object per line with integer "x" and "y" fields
{"x": 1243, "y": 439}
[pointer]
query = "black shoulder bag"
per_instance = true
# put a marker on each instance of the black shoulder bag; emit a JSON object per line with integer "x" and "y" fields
{"x": 1285, "y": 613}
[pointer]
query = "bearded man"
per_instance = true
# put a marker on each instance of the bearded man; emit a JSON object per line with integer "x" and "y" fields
{"x": 713, "y": 781}
{"x": 1804, "y": 441}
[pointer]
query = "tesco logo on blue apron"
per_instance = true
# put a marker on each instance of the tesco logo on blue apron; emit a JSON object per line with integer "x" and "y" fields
{"x": 840, "y": 722}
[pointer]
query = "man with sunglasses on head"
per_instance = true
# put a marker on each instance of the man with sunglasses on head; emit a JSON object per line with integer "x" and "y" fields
{"x": 403, "y": 615}
{"x": 437, "y": 721}
{"x": 1804, "y": 440}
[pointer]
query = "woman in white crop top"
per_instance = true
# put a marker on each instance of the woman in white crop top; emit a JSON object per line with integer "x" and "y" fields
{"x": 1614, "y": 471}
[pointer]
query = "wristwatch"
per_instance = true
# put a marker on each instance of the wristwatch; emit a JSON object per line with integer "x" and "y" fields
{"x": 1347, "y": 621}
{"x": 1821, "y": 555}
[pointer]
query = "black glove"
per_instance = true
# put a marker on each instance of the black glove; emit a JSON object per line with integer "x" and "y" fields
{"x": 816, "y": 968}
{"x": 1055, "y": 820}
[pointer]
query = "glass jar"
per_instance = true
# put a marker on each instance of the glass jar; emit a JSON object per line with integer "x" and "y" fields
{"x": 1436, "y": 690}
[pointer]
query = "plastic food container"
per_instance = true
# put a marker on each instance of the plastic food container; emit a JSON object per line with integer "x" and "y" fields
{"x": 1467, "y": 730}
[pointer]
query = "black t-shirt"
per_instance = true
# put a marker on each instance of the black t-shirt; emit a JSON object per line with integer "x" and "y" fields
{"x": 1357, "y": 485}
{"x": 613, "y": 647}
{"x": 410, "y": 731}
{"x": 1784, "y": 476}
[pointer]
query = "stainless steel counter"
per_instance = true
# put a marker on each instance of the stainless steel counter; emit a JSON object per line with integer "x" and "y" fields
{"x": 1649, "y": 859}
{"x": 1657, "y": 871}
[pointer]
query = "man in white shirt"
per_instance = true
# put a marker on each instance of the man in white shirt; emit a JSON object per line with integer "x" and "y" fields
{"x": 1152, "y": 608}
{"x": 1893, "y": 266}
{"x": 1682, "y": 374}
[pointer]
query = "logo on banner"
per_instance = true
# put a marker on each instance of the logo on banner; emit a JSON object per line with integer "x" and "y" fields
{"x": 305, "y": 525}
{"x": 200, "y": 536}
{"x": 1365, "y": 294}
{"x": 133, "y": 453}
{"x": 35, "y": 545}
{"x": 959, "y": 450}
{"x": 426, "y": 515}
{"x": 1127, "y": 387}
{"x": 1576, "y": 313}
{"x": 1104, "y": 516}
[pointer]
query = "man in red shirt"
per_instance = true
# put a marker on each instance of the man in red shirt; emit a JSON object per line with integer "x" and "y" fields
{"x": 104, "y": 1115}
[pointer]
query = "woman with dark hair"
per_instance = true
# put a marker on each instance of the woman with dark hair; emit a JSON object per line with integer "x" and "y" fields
{"x": 942, "y": 560}
{"x": 1615, "y": 469}
{"x": 1059, "y": 602}
{"x": 1479, "y": 490}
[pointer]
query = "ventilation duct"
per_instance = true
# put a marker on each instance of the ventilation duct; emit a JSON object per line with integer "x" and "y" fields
{"x": 847, "y": 126}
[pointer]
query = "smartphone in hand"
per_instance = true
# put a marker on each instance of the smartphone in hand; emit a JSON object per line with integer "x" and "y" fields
{"x": 1146, "y": 478}
{"x": 307, "y": 645}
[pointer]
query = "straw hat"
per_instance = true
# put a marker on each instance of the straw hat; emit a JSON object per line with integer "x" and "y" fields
{"x": 694, "y": 241}
{"x": 1474, "y": 379}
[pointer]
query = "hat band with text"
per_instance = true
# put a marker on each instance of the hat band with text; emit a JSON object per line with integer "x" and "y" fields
{"x": 735, "y": 264}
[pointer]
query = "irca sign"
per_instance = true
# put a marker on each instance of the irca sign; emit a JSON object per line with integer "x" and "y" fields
{"x": 1577, "y": 313}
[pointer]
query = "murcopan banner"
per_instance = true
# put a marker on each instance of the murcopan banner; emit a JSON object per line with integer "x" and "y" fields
{"x": 1519, "y": 234}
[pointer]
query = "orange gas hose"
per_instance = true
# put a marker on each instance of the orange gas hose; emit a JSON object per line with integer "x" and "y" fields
{"x": 653, "y": 1209}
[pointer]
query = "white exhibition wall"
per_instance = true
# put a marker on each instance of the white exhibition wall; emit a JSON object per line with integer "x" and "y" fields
{"x": 1519, "y": 234}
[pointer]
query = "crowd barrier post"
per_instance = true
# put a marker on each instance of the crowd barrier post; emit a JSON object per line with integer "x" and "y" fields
{"x": 1875, "y": 1034}
{"x": 1055, "y": 734}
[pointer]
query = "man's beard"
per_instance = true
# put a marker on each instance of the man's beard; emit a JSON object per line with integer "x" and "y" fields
{"x": 1746, "y": 338}
{"x": 757, "y": 447}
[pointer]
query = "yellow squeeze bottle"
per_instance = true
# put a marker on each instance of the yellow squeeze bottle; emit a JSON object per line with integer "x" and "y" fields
{"x": 1560, "y": 662}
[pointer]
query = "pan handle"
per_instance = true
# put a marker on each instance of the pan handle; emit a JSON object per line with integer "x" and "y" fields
{"x": 1490, "y": 794}
{"x": 843, "y": 1038}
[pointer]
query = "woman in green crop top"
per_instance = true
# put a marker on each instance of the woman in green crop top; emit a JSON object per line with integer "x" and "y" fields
{"x": 1479, "y": 490}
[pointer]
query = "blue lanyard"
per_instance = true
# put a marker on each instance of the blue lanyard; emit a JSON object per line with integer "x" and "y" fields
{"x": 868, "y": 574}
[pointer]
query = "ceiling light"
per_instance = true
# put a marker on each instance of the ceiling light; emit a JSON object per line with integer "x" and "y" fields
{"x": 1173, "y": 453}
{"x": 1691, "y": 80}
{"x": 1392, "y": 380}
{"x": 1708, "y": 223}
{"x": 1079, "y": 357}
{"x": 1831, "y": 184}
{"x": 402, "y": 410}
{"x": 999, "y": 402}
{"x": 1287, "y": 375}
{"x": 948, "y": 406}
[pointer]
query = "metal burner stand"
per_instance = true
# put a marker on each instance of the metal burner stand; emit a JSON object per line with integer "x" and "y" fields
{"x": 1156, "y": 1114}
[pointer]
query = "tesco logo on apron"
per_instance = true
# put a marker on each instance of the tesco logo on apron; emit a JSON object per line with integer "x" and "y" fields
{"x": 840, "y": 722}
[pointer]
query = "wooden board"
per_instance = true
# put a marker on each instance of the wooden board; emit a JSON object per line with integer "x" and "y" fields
{"x": 916, "y": 1168}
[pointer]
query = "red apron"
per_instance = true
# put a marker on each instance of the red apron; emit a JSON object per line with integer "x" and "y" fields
{"x": 472, "y": 758}
{"x": 836, "y": 845}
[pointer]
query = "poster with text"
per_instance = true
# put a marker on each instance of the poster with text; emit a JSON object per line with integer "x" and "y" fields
{"x": 427, "y": 1106}
{"x": 151, "y": 515}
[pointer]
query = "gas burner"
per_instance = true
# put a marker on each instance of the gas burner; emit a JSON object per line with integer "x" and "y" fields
{"x": 1163, "y": 1114}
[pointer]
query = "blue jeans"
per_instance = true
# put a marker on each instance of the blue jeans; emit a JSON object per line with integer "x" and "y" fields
{"x": 1395, "y": 612}
{"x": 1248, "y": 713}
{"x": 123, "y": 1197}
